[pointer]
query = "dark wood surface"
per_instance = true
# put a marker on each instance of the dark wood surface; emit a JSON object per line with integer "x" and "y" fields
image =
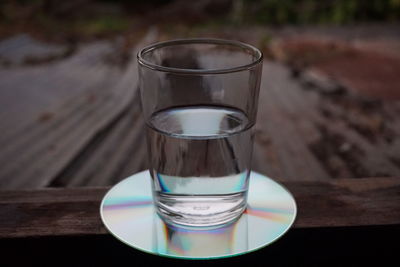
{"x": 75, "y": 211}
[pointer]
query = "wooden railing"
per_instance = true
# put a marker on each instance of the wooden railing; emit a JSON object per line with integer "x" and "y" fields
{"x": 343, "y": 222}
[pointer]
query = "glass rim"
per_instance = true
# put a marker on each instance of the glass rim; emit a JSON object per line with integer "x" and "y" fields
{"x": 143, "y": 62}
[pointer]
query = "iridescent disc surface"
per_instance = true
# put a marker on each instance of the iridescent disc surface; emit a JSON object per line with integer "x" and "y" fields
{"x": 127, "y": 212}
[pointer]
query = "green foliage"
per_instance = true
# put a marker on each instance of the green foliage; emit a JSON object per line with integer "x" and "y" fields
{"x": 53, "y": 19}
{"x": 101, "y": 25}
{"x": 320, "y": 11}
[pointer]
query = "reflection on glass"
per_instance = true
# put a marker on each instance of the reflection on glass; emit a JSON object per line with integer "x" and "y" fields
{"x": 180, "y": 241}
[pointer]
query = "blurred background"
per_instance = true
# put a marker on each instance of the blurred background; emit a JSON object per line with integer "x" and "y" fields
{"x": 70, "y": 114}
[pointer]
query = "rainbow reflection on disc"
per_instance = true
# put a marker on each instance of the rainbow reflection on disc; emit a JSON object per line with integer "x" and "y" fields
{"x": 127, "y": 212}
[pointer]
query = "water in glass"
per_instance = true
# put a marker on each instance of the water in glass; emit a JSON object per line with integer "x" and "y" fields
{"x": 200, "y": 160}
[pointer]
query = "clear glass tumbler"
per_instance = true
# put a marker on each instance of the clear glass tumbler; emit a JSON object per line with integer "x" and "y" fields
{"x": 199, "y": 100}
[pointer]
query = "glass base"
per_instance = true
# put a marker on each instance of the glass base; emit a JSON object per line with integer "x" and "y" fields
{"x": 200, "y": 210}
{"x": 128, "y": 213}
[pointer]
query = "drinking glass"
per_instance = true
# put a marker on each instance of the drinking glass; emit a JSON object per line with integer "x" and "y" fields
{"x": 199, "y": 101}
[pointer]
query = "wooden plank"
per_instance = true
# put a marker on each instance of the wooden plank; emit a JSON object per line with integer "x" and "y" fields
{"x": 46, "y": 157}
{"x": 359, "y": 135}
{"x": 103, "y": 160}
{"x": 265, "y": 157}
{"x": 304, "y": 133}
{"x": 347, "y": 120}
{"x": 137, "y": 161}
{"x": 23, "y": 130}
{"x": 128, "y": 148}
{"x": 43, "y": 156}
{"x": 348, "y": 202}
{"x": 280, "y": 121}
{"x": 17, "y": 49}
{"x": 29, "y": 91}
{"x": 88, "y": 164}
{"x": 339, "y": 203}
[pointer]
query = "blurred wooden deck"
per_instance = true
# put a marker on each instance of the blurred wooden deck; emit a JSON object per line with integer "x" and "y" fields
{"x": 75, "y": 121}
